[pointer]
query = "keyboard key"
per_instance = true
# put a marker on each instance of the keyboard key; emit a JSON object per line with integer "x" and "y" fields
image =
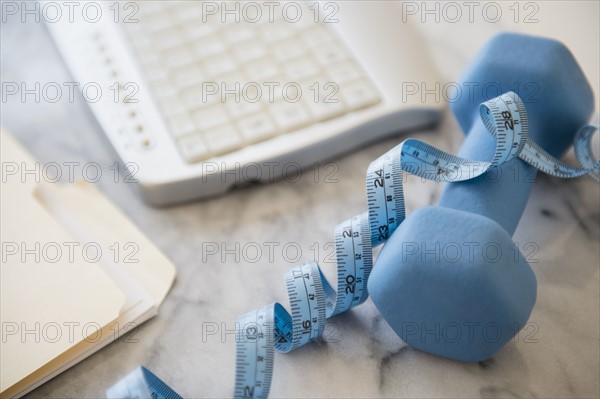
{"x": 272, "y": 32}
{"x": 195, "y": 30}
{"x": 192, "y": 148}
{"x": 323, "y": 98}
{"x": 239, "y": 33}
{"x": 167, "y": 39}
{"x": 307, "y": 18}
{"x": 257, "y": 127}
{"x": 249, "y": 51}
{"x": 232, "y": 81}
{"x": 237, "y": 109}
{"x": 320, "y": 89}
{"x": 209, "y": 45}
{"x": 329, "y": 53}
{"x": 287, "y": 50}
{"x": 219, "y": 65}
{"x": 177, "y": 57}
{"x": 262, "y": 70}
{"x": 222, "y": 139}
{"x": 316, "y": 36}
{"x": 194, "y": 98}
{"x": 289, "y": 91}
{"x": 289, "y": 116}
{"x": 171, "y": 105}
{"x": 344, "y": 72}
{"x": 180, "y": 125}
{"x": 300, "y": 69}
{"x": 253, "y": 92}
{"x": 187, "y": 76}
{"x": 323, "y": 110}
{"x": 271, "y": 90}
{"x": 359, "y": 94}
{"x": 207, "y": 118}
{"x": 185, "y": 11}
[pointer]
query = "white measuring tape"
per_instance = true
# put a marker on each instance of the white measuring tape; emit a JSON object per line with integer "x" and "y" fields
{"x": 313, "y": 300}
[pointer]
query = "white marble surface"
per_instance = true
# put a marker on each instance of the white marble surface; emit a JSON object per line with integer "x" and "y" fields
{"x": 368, "y": 359}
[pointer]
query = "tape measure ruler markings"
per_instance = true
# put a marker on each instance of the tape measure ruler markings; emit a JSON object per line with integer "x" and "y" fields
{"x": 505, "y": 118}
{"x": 141, "y": 383}
{"x": 256, "y": 356}
{"x": 313, "y": 300}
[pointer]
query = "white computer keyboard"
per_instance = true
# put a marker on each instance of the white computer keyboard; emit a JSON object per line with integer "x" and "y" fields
{"x": 278, "y": 76}
{"x": 215, "y": 96}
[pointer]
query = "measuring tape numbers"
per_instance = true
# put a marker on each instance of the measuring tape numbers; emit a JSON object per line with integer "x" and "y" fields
{"x": 506, "y": 120}
{"x": 312, "y": 298}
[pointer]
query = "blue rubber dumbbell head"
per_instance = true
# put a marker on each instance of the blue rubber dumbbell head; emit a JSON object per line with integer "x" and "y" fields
{"x": 450, "y": 281}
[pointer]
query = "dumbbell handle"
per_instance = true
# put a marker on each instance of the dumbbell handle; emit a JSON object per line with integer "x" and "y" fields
{"x": 500, "y": 194}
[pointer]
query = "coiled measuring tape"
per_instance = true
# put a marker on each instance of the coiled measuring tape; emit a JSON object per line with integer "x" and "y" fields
{"x": 313, "y": 300}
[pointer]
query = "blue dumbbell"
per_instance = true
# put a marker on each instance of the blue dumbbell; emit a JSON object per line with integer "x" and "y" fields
{"x": 450, "y": 281}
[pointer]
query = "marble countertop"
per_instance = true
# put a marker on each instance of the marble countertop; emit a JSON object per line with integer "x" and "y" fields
{"x": 557, "y": 357}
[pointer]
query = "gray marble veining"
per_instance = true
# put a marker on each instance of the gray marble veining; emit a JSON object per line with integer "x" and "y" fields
{"x": 556, "y": 356}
